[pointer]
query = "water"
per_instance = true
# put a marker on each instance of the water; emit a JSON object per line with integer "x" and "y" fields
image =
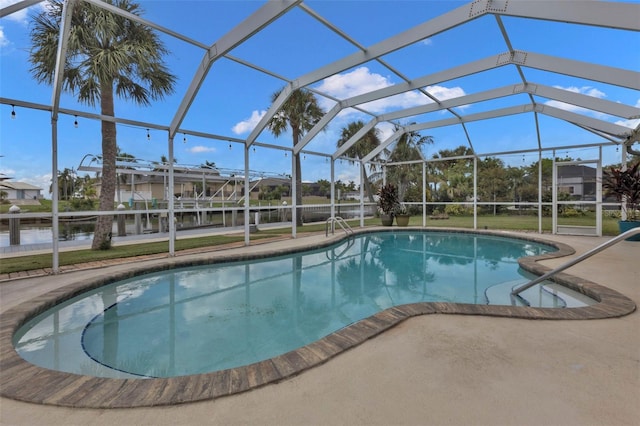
{"x": 208, "y": 318}
{"x": 43, "y": 235}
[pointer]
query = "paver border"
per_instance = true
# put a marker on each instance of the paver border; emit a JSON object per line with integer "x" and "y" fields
{"x": 24, "y": 381}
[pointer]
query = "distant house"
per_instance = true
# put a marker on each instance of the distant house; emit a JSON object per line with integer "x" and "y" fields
{"x": 20, "y": 192}
{"x": 155, "y": 187}
{"x": 269, "y": 184}
{"x": 578, "y": 181}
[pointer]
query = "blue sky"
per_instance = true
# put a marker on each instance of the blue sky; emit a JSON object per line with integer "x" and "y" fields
{"x": 234, "y": 97}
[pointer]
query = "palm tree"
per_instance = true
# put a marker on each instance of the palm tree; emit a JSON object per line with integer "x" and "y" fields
{"x": 300, "y": 113}
{"x": 361, "y": 148}
{"x": 209, "y": 165}
{"x": 454, "y": 178}
{"x": 65, "y": 183}
{"x": 107, "y": 54}
{"x": 408, "y": 147}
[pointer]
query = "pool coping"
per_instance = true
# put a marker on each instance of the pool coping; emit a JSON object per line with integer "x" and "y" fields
{"x": 24, "y": 381}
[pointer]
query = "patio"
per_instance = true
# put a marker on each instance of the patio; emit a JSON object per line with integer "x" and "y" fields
{"x": 433, "y": 369}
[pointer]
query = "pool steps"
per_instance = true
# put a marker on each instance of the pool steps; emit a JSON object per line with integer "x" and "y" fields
{"x": 550, "y": 295}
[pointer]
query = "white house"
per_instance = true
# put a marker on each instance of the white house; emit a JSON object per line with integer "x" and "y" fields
{"x": 20, "y": 192}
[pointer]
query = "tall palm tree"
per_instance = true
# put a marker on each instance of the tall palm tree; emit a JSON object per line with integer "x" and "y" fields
{"x": 107, "y": 55}
{"x": 299, "y": 113}
{"x": 361, "y": 148}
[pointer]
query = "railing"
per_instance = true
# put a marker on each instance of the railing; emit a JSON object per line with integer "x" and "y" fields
{"x": 340, "y": 221}
{"x": 596, "y": 250}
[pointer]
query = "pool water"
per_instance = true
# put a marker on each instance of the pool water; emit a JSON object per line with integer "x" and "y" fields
{"x": 208, "y": 318}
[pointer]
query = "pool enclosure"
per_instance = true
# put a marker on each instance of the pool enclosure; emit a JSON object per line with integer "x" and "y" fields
{"x": 523, "y": 66}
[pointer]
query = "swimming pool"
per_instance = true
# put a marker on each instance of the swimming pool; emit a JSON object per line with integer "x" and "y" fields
{"x": 214, "y": 317}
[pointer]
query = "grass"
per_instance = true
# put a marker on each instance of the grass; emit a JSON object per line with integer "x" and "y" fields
{"x": 501, "y": 222}
{"x": 39, "y": 261}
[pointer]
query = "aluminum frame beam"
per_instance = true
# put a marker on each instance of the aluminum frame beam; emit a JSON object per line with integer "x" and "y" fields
{"x": 117, "y": 11}
{"x": 615, "y": 130}
{"x": 589, "y": 71}
{"x": 269, "y": 12}
{"x": 604, "y": 74}
{"x": 621, "y": 16}
{"x": 425, "y": 30}
{"x": 16, "y": 7}
{"x": 561, "y": 95}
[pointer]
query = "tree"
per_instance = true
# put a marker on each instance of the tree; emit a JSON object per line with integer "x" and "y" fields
{"x": 107, "y": 55}
{"x": 361, "y": 148}
{"x": 300, "y": 112}
{"x": 492, "y": 185}
{"x": 454, "y": 177}
{"x": 324, "y": 187}
{"x": 65, "y": 183}
{"x": 209, "y": 165}
{"x": 408, "y": 148}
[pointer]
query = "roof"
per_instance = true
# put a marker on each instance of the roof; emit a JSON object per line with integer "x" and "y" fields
{"x": 570, "y": 171}
{"x": 18, "y": 186}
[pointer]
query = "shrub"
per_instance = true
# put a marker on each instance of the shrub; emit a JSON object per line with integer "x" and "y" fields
{"x": 455, "y": 210}
{"x": 82, "y": 204}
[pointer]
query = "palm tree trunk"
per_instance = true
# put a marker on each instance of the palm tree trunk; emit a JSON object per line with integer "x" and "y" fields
{"x": 104, "y": 224}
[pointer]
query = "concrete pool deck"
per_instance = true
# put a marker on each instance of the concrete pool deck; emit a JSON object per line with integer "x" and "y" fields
{"x": 432, "y": 369}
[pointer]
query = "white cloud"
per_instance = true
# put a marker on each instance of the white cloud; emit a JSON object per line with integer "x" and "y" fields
{"x": 362, "y": 80}
{"x": 7, "y": 172}
{"x": 385, "y": 130}
{"x": 249, "y": 124}
{"x": 353, "y": 83}
{"x": 41, "y": 181}
{"x": 4, "y": 41}
{"x": 349, "y": 175}
{"x": 200, "y": 149}
{"x": 443, "y": 93}
{"x": 632, "y": 124}
{"x": 427, "y": 42}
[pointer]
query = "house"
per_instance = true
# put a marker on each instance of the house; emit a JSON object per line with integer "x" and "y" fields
{"x": 577, "y": 181}
{"x": 154, "y": 187}
{"x": 269, "y": 185}
{"x": 20, "y": 193}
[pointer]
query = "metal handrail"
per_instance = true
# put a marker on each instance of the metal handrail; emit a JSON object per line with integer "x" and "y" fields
{"x": 340, "y": 221}
{"x": 596, "y": 250}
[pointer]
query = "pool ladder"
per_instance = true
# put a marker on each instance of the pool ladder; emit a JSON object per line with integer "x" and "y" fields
{"x": 630, "y": 233}
{"x": 331, "y": 223}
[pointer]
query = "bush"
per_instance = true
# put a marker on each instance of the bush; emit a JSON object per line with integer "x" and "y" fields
{"x": 571, "y": 212}
{"x": 455, "y": 210}
{"x": 80, "y": 204}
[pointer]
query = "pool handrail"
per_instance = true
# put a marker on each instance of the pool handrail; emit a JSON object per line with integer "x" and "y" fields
{"x": 593, "y": 251}
{"x": 340, "y": 221}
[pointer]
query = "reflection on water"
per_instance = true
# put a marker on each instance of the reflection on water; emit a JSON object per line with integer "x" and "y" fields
{"x": 43, "y": 234}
